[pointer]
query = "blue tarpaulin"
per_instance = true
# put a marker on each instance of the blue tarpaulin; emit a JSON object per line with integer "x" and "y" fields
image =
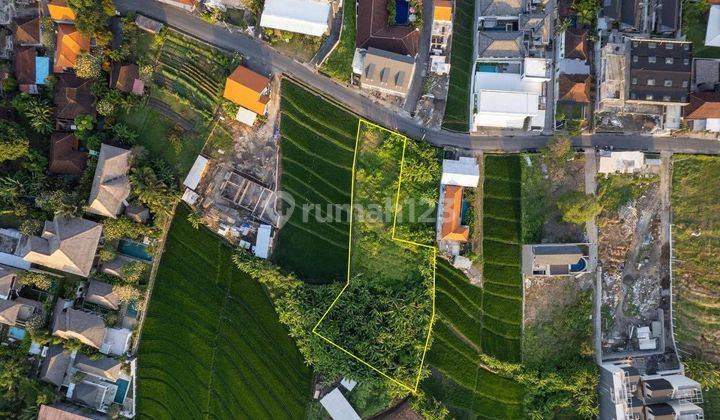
{"x": 42, "y": 69}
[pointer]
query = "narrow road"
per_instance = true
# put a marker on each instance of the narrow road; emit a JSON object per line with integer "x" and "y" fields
{"x": 591, "y": 230}
{"x": 259, "y": 55}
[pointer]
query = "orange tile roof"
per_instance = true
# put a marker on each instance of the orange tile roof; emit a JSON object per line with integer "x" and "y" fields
{"x": 443, "y": 10}
{"x": 244, "y": 87}
{"x": 575, "y": 88}
{"x": 703, "y": 105}
{"x": 59, "y": 10}
{"x": 452, "y": 207}
{"x": 70, "y": 43}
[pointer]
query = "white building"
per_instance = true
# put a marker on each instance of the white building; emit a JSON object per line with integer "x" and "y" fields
{"x": 620, "y": 162}
{"x": 712, "y": 34}
{"x": 263, "y": 241}
{"x": 508, "y": 100}
{"x": 464, "y": 172}
{"x": 338, "y": 407}
{"x": 192, "y": 180}
{"x": 309, "y": 17}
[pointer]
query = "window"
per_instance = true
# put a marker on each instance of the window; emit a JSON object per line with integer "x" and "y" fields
{"x": 683, "y": 99}
{"x": 669, "y": 46}
{"x": 633, "y": 95}
{"x": 666, "y": 98}
{"x": 669, "y": 60}
{"x": 652, "y": 45}
{"x": 635, "y": 43}
{"x": 685, "y": 83}
{"x": 634, "y": 80}
{"x": 668, "y": 83}
{"x": 649, "y": 97}
{"x": 652, "y": 59}
{"x": 686, "y": 47}
{"x": 635, "y": 58}
{"x": 686, "y": 61}
{"x": 651, "y": 82}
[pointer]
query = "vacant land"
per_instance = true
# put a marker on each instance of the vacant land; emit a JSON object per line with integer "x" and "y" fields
{"x": 317, "y": 148}
{"x": 459, "y": 379}
{"x": 502, "y": 282}
{"x": 696, "y": 240}
{"x": 461, "y": 60}
{"x": 339, "y": 64}
{"x": 212, "y": 345}
{"x": 397, "y": 275}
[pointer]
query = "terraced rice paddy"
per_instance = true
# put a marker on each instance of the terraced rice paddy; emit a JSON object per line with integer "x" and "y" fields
{"x": 193, "y": 70}
{"x": 473, "y": 321}
{"x": 212, "y": 345}
{"x": 459, "y": 379}
{"x": 317, "y": 148}
{"x": 461, "y": 60}
{"x": 502, "y": 282}
{"x": 696, "y": 240}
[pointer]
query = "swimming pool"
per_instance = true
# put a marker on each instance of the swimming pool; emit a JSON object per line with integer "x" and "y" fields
{"x": 402, "y": 12}
{"x": 123, "y": 386}
{"x": 16, "y": 333}
{"x": 578, "y": 266}
{"x": 134, "y": 249}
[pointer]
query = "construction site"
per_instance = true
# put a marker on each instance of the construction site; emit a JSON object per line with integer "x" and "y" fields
{"x": 635, "y": 278}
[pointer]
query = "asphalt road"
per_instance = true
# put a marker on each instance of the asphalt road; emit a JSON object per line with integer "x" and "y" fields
{"x": 261, "y": 56}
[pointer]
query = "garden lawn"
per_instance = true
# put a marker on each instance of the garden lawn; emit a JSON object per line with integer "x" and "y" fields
{"x": 457, "y": 109}
{"x": 339, "y": 64}
{"x": 212, "y": 345}
{"x": 459, "y": 380}
{"x": 154, "y": 131}
{"x": 317, "y": 149}
{"x": 696, "y": 239}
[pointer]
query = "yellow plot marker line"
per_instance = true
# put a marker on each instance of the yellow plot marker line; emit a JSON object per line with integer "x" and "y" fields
{"x": 347, "y": 282}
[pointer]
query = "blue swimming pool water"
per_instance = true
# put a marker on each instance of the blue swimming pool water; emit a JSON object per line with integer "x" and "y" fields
{"x": 122, "y": 385}
{"x": 134, "y": 249}
{"x": 402, "y": 12}
{"x": 578, "y": 266}
{"x": 487, "y": 69}
{"x": 16, "y": 333}
{"x": 132, "y": 309}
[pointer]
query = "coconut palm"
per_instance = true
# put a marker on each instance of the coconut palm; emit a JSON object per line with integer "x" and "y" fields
{"x": 39, "y": 114}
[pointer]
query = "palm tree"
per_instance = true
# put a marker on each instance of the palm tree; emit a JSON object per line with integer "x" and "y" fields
{"x": 150, "y": 190}
{"x": 40, "y": 116}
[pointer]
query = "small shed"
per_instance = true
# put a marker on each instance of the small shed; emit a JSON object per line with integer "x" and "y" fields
{"x": 262, "y": 241}
{"x": 245, "y": 116}
{"x": 338, "y": 407}
{"x": 463, "y": 172}
{"x": 190, "y": 196}
{"x": 147, "y": 24}
{"x": 192, "y": 180}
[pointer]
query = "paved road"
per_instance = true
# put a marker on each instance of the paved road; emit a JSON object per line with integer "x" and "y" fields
{"x": 261, "y": 56}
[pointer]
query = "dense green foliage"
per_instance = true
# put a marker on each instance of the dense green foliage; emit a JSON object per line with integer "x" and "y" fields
{"x": 20, "y": 395}
{"x": 694, "y": 27}
{"x": 457, "y": 110}
{"x": 92, "y": 18}
{"x": 696, "y": 240}
{"x": 339, "y": 64}
{"x": 212, "y": 344}
{"x": 383, "y": 315}
{"x": 317, "y": 149}
{"x": 614, "y": 191}
{"x": 578, "y": 207}
{"x": 14, "y": 144}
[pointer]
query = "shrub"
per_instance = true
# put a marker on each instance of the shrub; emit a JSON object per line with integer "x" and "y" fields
{"x": 37, "y": 280}
{"x": 578, "y": 207}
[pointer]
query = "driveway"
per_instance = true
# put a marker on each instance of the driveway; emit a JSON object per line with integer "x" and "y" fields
{"x": 261, "y": 56}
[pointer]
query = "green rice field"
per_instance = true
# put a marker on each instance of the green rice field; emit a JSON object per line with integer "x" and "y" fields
{"x": 461, "y": 64}
{"x": 212, "y": 345}
{"x": 473, "y": 321}
{"x": 317, "y": 148}
{"x": 459, "y": 379}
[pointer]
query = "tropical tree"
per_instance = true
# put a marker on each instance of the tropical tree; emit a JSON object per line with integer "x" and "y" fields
{"x": 14, "y": 144}
{"x": 88, "y": 66}
{"x": 195, "y": 219}
{"x": 93, "y": 18}
{"x": 125, "y": 134}
{"x": 37, "y": 280}
{"x": 151, "y": 191}
{"x": 578, "y": 207}
{"x": 39, "y": 113}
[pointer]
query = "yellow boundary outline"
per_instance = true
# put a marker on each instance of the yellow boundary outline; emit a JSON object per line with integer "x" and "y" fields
{"x": 413, "y": 389}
